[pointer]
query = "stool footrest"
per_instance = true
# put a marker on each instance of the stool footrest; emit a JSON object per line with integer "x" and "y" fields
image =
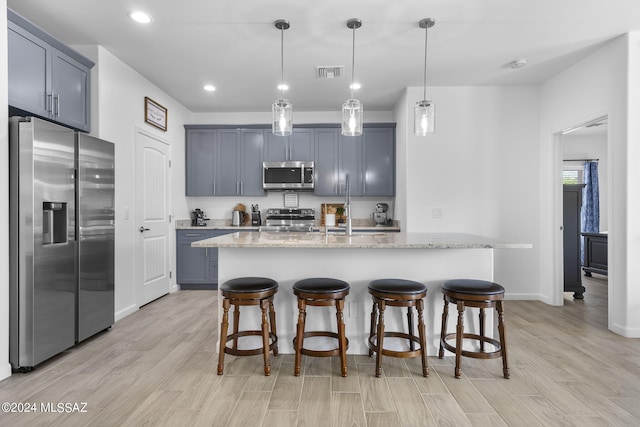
{"x": 474, "y": 354}
{"x": 406, "y": 354}
{"x": 249, "y": 352}
{"x": 320, "y": 353}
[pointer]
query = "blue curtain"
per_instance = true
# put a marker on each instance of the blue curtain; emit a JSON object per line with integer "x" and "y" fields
{"x": 590, "y": 213}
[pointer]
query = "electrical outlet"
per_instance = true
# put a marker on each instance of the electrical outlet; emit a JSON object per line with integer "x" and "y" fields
{"x": 436, "y": 213}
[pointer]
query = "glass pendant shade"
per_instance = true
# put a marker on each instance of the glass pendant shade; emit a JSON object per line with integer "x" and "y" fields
{"x": 352, "y": 117}
{"x": 282, "y": 123}
{"x": 424, "y": 115}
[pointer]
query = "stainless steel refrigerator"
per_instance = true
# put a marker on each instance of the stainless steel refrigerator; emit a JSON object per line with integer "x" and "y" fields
{"x": 61, "y": 239}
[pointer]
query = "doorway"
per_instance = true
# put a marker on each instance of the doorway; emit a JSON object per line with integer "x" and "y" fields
{"x": 153, "y": 249}
{"x": 586, "y": 143}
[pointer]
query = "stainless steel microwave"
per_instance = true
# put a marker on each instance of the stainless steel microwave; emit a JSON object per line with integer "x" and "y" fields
{"x": 289, "y": 175}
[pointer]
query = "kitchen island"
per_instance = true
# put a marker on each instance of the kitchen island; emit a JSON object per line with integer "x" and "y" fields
{"x": 430, "y": 258}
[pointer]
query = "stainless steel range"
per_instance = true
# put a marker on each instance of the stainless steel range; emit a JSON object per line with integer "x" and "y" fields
{"x": 289, "y": 219}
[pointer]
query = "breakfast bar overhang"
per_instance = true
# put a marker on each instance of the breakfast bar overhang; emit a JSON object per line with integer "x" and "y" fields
{"x": 430, "y": 258}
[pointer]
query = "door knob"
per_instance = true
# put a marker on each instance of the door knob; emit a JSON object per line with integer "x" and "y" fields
{"x": 142, "y": 229}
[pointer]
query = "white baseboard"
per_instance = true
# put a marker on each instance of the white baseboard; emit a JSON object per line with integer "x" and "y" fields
{"x": 124, "y": 313}
{"x": 5, "y": 371}
{"x": 521, "y": 297}
{"x": 625, "y": 332}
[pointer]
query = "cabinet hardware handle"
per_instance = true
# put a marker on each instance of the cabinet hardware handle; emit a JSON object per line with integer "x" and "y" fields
{"x": 56, "y": 111}
{"x": 192, "y": 234}
{"x": 49, "y": 106}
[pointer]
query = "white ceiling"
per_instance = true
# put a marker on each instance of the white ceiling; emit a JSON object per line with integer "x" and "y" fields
{"x": 234, "y": 45}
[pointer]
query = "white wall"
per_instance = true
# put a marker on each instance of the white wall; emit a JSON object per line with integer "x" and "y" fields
{"x": 117, "y": 111}
{"x": 603, "y": 83}
{"x": 479, "y": 169}
{"x": 576, "y": 146}
{"x": 5, "y": 367}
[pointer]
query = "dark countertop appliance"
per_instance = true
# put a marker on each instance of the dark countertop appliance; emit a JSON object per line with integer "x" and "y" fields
{"x": 289, "y": 219}
{"x": 198, "y": 218}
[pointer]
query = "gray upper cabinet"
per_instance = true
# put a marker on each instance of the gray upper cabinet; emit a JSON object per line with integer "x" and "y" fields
{"x": 299, "y": 146}
{"x": 46, "y": 78}
{"x": 369, "y": 160}
{"x": 223, "y": 162}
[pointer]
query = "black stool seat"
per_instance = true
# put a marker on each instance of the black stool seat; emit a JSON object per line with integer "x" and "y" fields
{"x": 397, "y": 293}
{"x": 321, "y": 292}
{"x": 320, "y": 285}
{"x": 249, "y": 285}
{"x": 473, "y": 287}
{"x": 248, "y": 291}
{"x": 397, "y": 286}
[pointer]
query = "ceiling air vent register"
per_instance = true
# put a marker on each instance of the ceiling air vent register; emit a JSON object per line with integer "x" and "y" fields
{"x": 329, "y": 72}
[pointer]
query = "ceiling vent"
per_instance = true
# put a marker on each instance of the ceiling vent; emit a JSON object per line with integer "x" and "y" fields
{"x": 329, "y": 72}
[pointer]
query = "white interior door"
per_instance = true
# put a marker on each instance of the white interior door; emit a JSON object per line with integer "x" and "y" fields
{"x": 152, "y": 218}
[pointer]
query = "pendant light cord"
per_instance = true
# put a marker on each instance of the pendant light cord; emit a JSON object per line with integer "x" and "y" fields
{"x": 353, "y": 59}
{"x": 426, "y": 32}
{"x": 282, "y": 62}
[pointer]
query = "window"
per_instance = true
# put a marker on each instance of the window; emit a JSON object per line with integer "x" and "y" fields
{"x": 572, "y": 175}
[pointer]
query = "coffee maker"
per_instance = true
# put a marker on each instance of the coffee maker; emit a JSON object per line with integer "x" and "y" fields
{"x": 255, "y": 215}
{"x": 380, "y": 214}
{"x": 198, "y": 218}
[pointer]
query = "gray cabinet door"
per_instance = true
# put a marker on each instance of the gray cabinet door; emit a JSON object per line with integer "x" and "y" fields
{"x": 29, "y": 71}
{"x": 351, "y": 164}
{"x": 299, "y": 146}
{"x": 251, "y": 162}
{"x": 192, "y": 264}
{"x": 227, "y": 182}
{"x": 379, "y": 162}
{"x": 70, "y": 91}
{"x": 302, "y": 147}
{"x": 326, "y": 161}
{"x": 199, "y": 162}
{"x": 276, "y": 148}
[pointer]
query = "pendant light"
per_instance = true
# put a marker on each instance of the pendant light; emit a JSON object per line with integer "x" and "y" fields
{"x": 282, "y": 121}
{"x": 424, "y": 111}
{"x": 352, "y": 108}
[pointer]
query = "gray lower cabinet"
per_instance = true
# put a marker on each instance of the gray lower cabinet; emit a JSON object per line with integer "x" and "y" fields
{"x": 369, "y": 160}
{"x": 196, "y": 268}
{"x": 224, "y": 162}
{"x": 46, "y": 78}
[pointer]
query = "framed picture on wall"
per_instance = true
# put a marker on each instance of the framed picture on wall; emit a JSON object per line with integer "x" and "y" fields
{"x": 155, "y": 114}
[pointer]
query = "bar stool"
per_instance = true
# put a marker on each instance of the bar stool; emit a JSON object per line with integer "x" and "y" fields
{"x": 479, "y": 294}
{"x": 320, "y": 291}
{"x": 397, "y": 293}
{"x": 248, "y": 291}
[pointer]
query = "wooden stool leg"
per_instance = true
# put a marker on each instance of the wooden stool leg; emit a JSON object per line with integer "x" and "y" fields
{"x": 236, "y": 322}
{"x": 264, "y": 306}
{"x": 224, "y": 327}
{"x": 482, "y": 329}
{"x": 299, "y": 335}
{"x": 503, "y": 339}
{"x": 412, "y": 345}
{"x": 342, "y": 341}
{"x": 374, "y": 315}
{"x": 380, "y": 338}
{"x": 443, "y": 332}
{"x": 423, "y": 338}
{"x": 272, "y": 322}
{"x": 459, "y": 334}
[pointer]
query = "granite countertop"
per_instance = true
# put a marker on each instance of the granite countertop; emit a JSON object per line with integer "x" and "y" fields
{"x": 320, "y": 240}
{"x": 225, "y": 224}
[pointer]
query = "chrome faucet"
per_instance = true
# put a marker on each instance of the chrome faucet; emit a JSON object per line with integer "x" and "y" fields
{"x": 347, "y": 207}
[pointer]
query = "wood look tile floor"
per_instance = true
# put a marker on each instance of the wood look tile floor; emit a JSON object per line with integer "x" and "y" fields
{"x": 158, "y": 367}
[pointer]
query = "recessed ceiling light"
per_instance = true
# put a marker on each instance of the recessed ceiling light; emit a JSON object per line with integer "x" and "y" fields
{"x": 209, "y": 88}
{"x": 518, "y": 63}
{"x": 140, "y": 17}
